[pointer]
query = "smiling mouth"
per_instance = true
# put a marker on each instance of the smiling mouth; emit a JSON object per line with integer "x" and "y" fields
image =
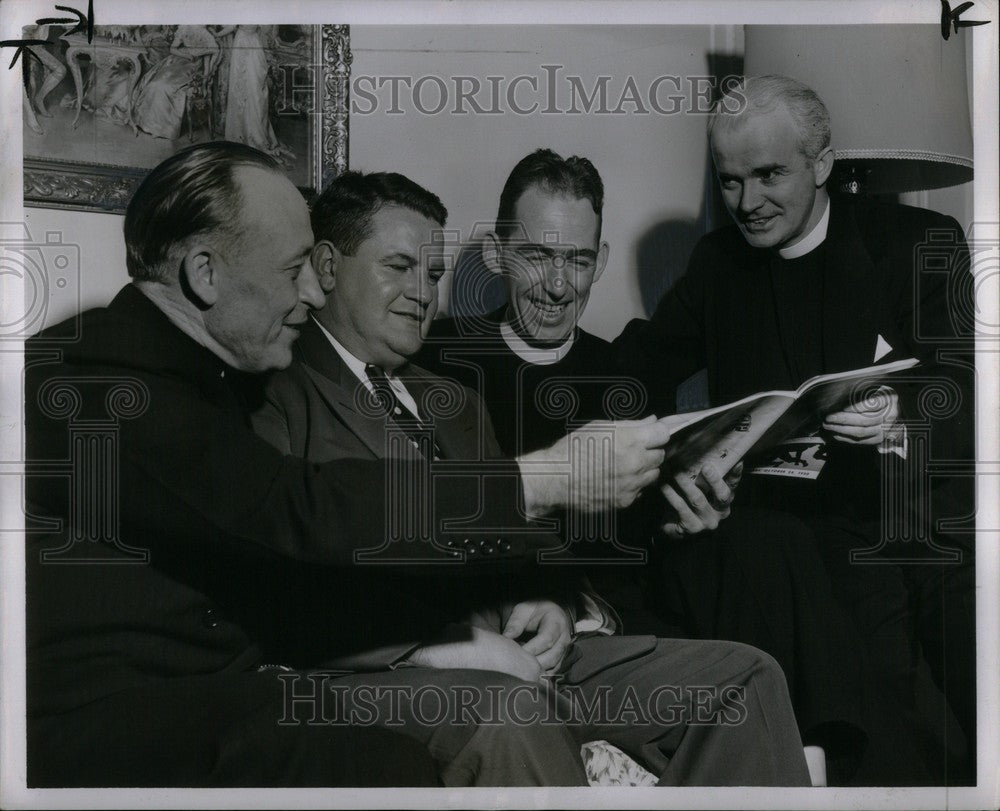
{"x": 414, "y": 317}
{"x": 754, "y": 223}
{"x": 545, "y": 308}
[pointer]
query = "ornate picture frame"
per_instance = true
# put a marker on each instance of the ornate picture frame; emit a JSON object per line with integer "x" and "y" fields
{"x": 301, "y": 104}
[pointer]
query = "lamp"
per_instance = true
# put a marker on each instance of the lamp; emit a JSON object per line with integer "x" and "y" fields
{"x": 897, "y": 96}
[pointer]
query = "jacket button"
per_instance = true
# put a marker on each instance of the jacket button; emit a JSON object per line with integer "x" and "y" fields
{"x": 504, "y": 545}
{"x": 210, "y": 619}
{"x": 467, "y": 542}
{"x": 487, "y": 547}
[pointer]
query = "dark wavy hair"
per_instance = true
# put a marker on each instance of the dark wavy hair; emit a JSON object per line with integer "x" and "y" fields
{"x": 573, "y": 176}
{"x": 343, "y": 212}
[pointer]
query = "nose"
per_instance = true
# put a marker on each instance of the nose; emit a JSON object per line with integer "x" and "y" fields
{"x": 310, "y": 293}
{"x": 556, "y": 277}
{"x": 420, "y": 288}
{"x": 750, "y": 197}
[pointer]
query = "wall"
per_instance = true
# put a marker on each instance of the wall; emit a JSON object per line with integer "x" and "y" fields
{"x": 654, "y": 166}
{"x": 101, "y": 257}
{"x": 659, "y": 191}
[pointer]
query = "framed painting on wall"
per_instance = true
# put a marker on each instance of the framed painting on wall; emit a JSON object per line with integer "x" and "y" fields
{"x": 98, "y": 115}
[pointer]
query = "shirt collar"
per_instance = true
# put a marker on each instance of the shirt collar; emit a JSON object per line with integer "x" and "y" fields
{"x": 356, "y": 366}
{"x": 811, "y": 240}
{"x": 539, "y": 356}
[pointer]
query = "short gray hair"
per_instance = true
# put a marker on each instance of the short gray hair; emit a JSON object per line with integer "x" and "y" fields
{"x": 193, "y": 192}
{"x": 760, "y": 95}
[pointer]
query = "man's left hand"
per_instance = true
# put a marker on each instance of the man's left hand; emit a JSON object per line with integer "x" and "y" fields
{"x": 551, "y": 625}
{"x": 869, "y": 422}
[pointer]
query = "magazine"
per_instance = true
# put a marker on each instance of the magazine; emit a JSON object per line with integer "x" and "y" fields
{"x": 752, "y": 426}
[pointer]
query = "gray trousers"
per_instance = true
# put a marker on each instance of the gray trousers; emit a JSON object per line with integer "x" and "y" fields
{"x": 693, "y": 712}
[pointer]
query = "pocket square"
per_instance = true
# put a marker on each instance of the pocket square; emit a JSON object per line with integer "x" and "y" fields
{"x": 882, "y": 348}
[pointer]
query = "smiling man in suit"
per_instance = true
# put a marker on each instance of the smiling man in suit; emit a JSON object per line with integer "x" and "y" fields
{"x": 351, "y": 393}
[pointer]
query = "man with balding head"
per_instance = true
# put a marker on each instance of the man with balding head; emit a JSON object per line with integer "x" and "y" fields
{"x": 193, "y": 576}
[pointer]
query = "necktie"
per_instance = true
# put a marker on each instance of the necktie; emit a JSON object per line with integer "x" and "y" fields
{"x": 383, "y": 392}
{"x": 398, "y": 414}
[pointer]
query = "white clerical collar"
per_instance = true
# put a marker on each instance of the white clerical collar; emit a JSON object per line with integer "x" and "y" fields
{"x": 539, "y": 356}
{"x": 810, "y": 241}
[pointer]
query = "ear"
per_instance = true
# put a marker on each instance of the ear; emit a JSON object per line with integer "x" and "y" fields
{"x": 200, "y": 271}
{"x": 602, "y": 260}
{"x": 823, "y": 165}
{"x": 492, "y": 250}
{"x": 326, "y": 260}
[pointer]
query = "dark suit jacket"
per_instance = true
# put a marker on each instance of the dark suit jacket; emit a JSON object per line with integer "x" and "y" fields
{"x": 249, "y": 553}
{"x": 319, "y": 410}
{"x": 893, "y": 271}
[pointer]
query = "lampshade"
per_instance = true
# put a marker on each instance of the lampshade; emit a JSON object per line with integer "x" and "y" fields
{"x": 897, "y": 96}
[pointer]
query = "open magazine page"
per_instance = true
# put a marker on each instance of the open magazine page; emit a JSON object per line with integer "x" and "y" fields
{"x": 788, "y": 436}
{"x": 755, "y": 425}
{"x": 723, "y": 436}
{"x": 827, "y": 385}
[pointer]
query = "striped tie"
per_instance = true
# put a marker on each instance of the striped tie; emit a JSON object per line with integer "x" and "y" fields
{"x": 397, "y": 413}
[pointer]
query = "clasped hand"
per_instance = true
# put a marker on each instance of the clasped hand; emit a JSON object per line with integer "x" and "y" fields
{"x": 489, "y": 641}
{"x": 546, "y": 629}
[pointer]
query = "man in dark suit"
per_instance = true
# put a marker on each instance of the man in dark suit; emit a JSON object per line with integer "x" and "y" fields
{"x": 179, "y": 567}
{"x": 352, "y": 395}
{"x": 806, "y": 283}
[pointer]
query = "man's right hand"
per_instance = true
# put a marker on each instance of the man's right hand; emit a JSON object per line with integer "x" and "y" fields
{"x": 701, "y": 502}
{"x": 601, "y": 466}
{"x": 471, "y": 647}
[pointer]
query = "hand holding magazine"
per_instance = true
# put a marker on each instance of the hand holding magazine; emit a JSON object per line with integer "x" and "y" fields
{"x": 727, "y": 434}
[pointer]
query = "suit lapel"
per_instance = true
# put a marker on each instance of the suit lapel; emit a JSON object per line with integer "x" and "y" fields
{"x": 342, "y": 392}
{"x": 850, "y": 333}
{"x": 345, "y": 395}
{"x": 454, "y": 433}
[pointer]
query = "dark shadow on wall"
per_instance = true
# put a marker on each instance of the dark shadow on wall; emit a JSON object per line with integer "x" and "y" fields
{"x": 475, "y": 290}
{"x": 662, "y": 253}
{"x": 661, "y": 258}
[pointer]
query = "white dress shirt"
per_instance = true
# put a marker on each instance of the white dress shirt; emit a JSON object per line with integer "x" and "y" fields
{"x": 357, "y": 367}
